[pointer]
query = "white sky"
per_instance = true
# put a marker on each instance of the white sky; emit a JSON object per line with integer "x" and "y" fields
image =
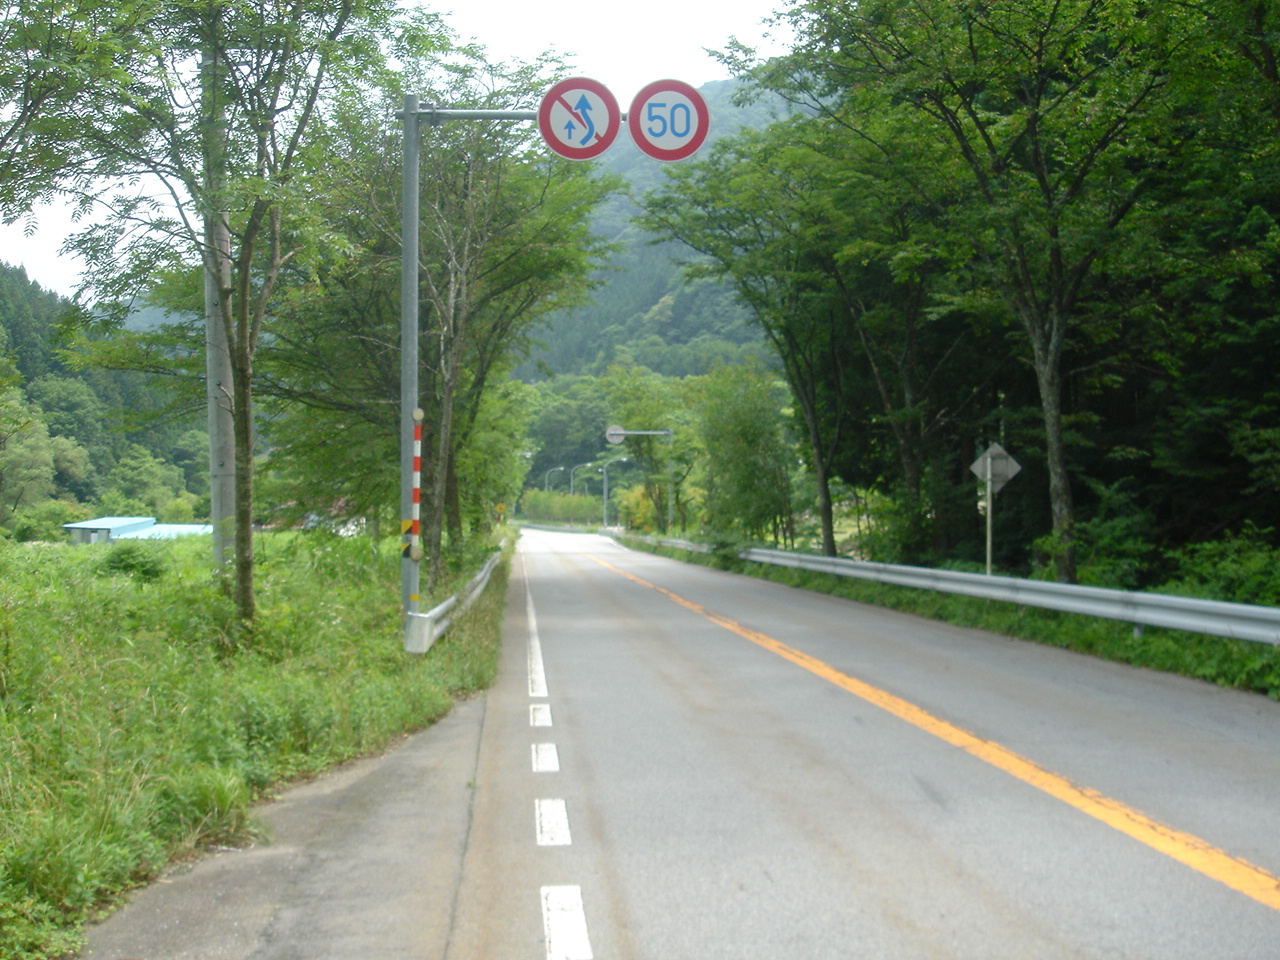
{"x": 622, "y": 45}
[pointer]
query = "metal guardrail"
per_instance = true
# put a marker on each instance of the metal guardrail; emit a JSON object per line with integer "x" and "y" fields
{"x": 421, "y": 630}
{"x": 1236, "y": 620}
{"x": 688, "y": 545}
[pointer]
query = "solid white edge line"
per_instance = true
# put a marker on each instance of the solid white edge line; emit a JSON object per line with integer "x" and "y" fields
{"x": 551, "y": 822}
{"x": 564, "y": 922}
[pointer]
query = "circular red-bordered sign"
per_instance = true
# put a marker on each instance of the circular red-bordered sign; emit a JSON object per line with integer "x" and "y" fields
{"x": 669, "y": 120}
{"x": 579, "y": 118}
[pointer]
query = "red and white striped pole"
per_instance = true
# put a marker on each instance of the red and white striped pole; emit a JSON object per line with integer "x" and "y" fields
{"x": 415, "y": 534}
{"x": 413, "y": 524}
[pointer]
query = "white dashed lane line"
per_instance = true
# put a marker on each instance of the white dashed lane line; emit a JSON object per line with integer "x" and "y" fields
{"x": 545, "y": 758}
{"x": 551, "y": 823}
{"x": 565, "y": 923}
{"x": 564, "y": 919}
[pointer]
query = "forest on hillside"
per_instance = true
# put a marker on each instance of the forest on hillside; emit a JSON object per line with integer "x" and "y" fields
{"x": 79, "y": 441}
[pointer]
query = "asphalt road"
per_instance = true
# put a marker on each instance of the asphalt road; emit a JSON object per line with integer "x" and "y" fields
{"x": 680, "y": 764}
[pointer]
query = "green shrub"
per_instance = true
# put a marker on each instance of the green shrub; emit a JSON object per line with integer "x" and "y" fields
{"x": 551, "y": 506}
{"x": 1243, "y": 568}
{"x": 137, "y": 558}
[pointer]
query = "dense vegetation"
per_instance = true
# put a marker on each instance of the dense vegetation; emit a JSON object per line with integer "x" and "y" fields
{"x": 133, "y": 730}
{"x": 78, "y": 441}
{"x": 1048, "y": 223}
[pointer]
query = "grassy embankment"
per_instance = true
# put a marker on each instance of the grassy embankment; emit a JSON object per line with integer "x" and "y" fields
{"x": 1240, "y": 572}
{"x": 136, "y": 728}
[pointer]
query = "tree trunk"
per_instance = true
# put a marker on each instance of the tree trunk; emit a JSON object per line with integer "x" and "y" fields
{"x": 826, "y": 511}
{"x": 242, "y": 420}
{"x": 435, "y": 519}
{"x": 1046, "y": 347}
{"x": 452, "y": 502}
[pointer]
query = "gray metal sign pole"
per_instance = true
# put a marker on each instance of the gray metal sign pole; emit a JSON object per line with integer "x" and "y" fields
{"x": 413, "y": 118}
{"x": 408, "y": 349}
{"x": 995, "y": 468}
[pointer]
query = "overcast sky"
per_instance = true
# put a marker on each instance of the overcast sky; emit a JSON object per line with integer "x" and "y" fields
{"x": 622, "y": 45}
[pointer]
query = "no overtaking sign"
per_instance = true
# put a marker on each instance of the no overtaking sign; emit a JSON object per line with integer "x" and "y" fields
{"x": 579, "y": 118}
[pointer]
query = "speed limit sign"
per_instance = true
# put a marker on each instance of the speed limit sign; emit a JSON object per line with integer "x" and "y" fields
{"x": 668, "y": 120}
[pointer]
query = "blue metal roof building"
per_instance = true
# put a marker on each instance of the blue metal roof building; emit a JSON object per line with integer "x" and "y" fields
{"x": 105, "y": 529}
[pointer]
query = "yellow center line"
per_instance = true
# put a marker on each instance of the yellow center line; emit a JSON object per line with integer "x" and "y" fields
{"x": 1240, "y": 875}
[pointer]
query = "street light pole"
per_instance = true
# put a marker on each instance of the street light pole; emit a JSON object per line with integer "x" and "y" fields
{"x": 573, "y": 472}
{"x": 546, "y": 479}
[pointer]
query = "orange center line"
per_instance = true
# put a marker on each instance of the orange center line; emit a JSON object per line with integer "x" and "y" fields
{"x": 1238, "y": 874}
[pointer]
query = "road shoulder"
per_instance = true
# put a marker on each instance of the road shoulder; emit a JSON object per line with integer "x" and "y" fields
{"x": 363, "y": 861}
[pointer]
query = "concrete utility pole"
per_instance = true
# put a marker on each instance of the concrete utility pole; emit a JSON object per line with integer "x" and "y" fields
{"x": 217, "y": 267}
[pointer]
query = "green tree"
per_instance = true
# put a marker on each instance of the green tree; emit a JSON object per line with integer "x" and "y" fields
{"x": 570, "y": 417}
{"x": 641, "y": 400}
{"x": 505, "y": 239}
{"x": 141, "y": 477}
{"x": 490, "y": 466}
{"x": 60, "y": 62}
{"x": 1053, "y": 112}
{"x": 752, "y": 208}
{"x": 838, "y": 247}
{"x": 29, "y": 460}
{"x": 748, "y": 459}
{"x": 224, "y": 119}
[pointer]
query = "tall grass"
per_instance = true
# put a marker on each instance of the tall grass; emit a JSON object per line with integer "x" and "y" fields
{"x": 136, "y": 724}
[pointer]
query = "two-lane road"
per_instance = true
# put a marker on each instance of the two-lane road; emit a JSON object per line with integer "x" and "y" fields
{"x": 679, "y": 763}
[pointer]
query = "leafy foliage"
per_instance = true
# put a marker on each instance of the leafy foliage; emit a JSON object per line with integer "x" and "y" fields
{"x": 747, "y": 474}
{"x": 1010, "y": 221}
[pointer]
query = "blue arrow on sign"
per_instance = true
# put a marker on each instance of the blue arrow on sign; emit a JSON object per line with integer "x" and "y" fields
{"x": 584, "y": 110}
{"x": 582, "y": 114}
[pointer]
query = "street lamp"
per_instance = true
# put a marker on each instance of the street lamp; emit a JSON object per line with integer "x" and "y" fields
{"x": 546, "y": 479}
{"x": 604, "y": 500}
{"x": 573, "y": 471}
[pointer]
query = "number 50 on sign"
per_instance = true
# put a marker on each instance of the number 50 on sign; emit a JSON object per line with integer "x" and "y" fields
{"x": 668, "y": 120}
